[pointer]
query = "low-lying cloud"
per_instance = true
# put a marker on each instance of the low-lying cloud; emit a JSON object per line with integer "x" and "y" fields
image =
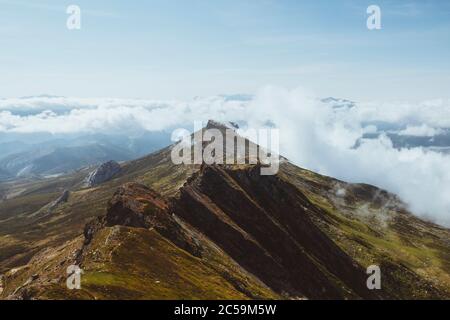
{"x": 313, "y": 134}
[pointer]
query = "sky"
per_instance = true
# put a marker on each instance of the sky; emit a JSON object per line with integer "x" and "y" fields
{"x": 182, "y": 49}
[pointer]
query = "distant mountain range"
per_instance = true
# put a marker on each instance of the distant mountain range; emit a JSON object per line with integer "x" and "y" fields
{"x": 50, "y": 155}
{"x": 4, "y": 175}
{"x": 439, "y": 142}
{"x": 58, "y": 160}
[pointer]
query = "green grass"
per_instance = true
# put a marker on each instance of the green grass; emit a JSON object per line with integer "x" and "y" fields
{"x": 127, "y": 263}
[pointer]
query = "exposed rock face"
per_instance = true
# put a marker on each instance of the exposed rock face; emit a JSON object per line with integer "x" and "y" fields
{"x": 103, "y": 173}
{"x": 62, "y": 199}
{"x": 263, "y": 223}
{"x": 135, "y": 205}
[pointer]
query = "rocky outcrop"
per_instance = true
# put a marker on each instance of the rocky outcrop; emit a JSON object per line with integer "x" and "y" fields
{"x": 135, "y": 205}
{"x": 103, "y": 173}
{"x": 62, "y": 199}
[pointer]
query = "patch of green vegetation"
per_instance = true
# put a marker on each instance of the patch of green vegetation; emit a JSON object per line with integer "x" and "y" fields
{"x": 21, "y": 206}
{"x": 144, "y": 265}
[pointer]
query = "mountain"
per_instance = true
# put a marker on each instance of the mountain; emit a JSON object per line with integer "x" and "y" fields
{"x": 12, "y": 147}
{"x": 157, "y": 230}
{"x": 4, "y": 175}
{"x": 403, "y": 134}
{"x": 45, "y": 154}
{"x": 439, "y": 142}
{"x": 57, "y": 160}
{"x": 337, "y": 103}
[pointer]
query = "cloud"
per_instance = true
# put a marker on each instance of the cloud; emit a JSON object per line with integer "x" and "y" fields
{"x": 421, "y": 131}
{"x": 320, "y": 138}
{"x": 313, "y": 134}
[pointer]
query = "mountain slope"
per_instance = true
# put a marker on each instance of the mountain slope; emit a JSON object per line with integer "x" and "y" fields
{"x": 138, "y": 250}
{"x": 57, "y": 160}
{"x": 162, "y": 228}
{"x": 251, "y": 218}
{"x": 4, "y": 175}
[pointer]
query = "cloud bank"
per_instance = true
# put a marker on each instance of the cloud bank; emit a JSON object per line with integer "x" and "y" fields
{"x": 313, "y": 134}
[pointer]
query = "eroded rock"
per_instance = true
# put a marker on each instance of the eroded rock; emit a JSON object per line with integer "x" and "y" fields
{"x": 62, "y": 199}
{"x": 103, "y": 173}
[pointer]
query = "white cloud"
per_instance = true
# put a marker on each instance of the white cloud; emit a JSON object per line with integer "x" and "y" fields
{"x": 313, "y": 134}
{"x": 421, "y": 131}
{"x": 69, "y": 115}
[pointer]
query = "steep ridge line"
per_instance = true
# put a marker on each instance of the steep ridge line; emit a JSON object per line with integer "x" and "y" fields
{"x": 285, "y": 260}
{"x": 261, "y": 241}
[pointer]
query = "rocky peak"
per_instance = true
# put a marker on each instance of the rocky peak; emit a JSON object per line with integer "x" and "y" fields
{"x": 221, "y": 126}
{"x": 103, "y": 173}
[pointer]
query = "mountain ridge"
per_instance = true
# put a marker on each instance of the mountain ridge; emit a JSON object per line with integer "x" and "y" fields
{"x": 292, "y": 235}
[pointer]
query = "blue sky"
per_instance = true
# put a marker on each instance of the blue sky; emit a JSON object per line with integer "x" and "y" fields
{"x": 185, "y": 48}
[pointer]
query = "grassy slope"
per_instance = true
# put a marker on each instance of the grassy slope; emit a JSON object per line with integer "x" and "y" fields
{"x": 26, "y": 229}
{"x": 414, "y": 254}
{"x": 151, "y": 267}
{"x": 135, "y": 263}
